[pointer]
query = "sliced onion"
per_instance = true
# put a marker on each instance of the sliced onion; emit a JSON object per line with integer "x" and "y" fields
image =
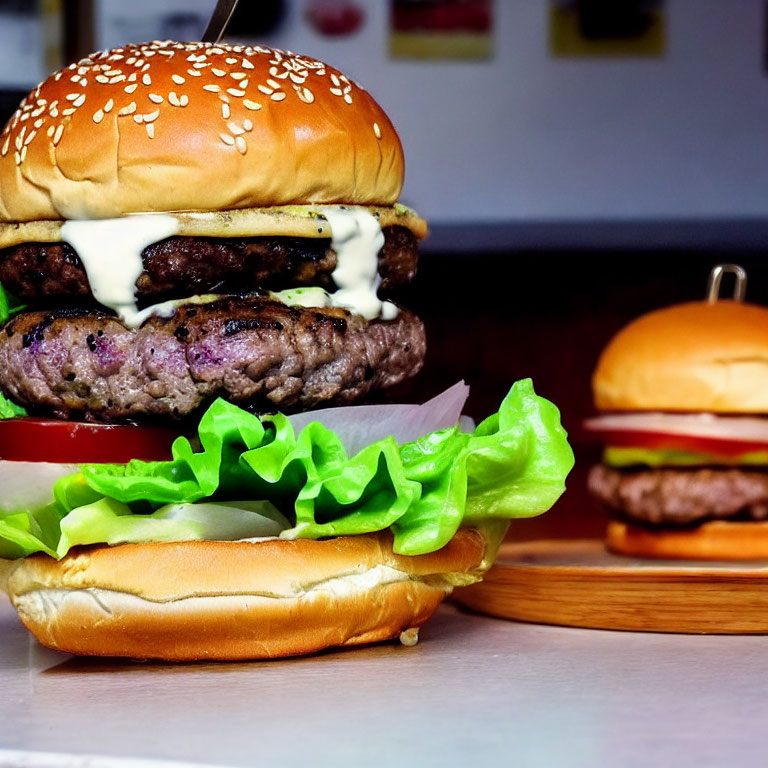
{"x": 28, "y": 485}
{"x": 751, "y": 429}
{"x": 360, "y": 425}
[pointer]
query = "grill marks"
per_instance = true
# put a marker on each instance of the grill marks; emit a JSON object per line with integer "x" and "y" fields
{"x": 253, "y": 351}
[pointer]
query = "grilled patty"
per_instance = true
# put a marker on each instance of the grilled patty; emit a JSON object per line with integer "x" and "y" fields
{"x": 665, "y": 497}
{"x": 184, "y": 266}
{"x": 253, "y": 351}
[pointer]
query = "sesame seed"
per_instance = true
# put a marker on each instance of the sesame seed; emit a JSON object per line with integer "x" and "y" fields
{"x": 244, "y": 84}
{"x": 334, "y": 79}
{"x": 235, "y": 129}
{"x": 51, "y": 130}
{"x": 264, "y": 89}
{"x": 39, "y": 123}
{"x": 213, "y": 88}
{"x": 336, "y": 91}
{"x": 225, "y": 111}
{"x": 347, "y": 98}
{"x": 298, "y": 79}
{"x": 150, "y": 116}
{"x": 156, "y": 98}
{"x": 227, "y": 139}
{"x": 130, "y": 88}
{"x": 246, "y": 64}
{"x": 73, "y": 96}
{"x": 184, "y": 100}
{"x": 146, "y": 79}
{"x": 68, "y": 111}
{"x": 377, "y": 130}
{"x": 116, "y": 79}
{"x": 102, "y": 79}
{"x": 57, "y": 136}
{"x": 252, "y": 105}
{"x": 54, "y": 112}
{"x": 273, "y": 84}
{"x": 238, "y": 75}
{"x": 230, "y": 60}
{"x": 129, "y": 110}
{"x": 6, "y": 145}
{"x": 174, "y": 99}
{"x": 235, "y": 92}
{"x": 138, "y": 119}
{"x": 98, "y": 116}
{"x": 23, "y": 154}
{"x": 17, "y": 158}
{"x": 277, "y": 96}
{"x": 108, "y": 106}
{"x": 218, "y": 72}
{"x": 305, "y": 95}
{"x": 194, "y": 73}
{"x": 133, "y": 77}
{"x": 242, "y": 147}
{"x": 178, "y": 79}
{"x": 247, "y": 124}
{"x": 150, "y": 130}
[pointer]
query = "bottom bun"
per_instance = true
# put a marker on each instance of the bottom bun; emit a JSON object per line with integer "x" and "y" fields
{"x": 185, "y": 601}
{"x": 715, "y": 540}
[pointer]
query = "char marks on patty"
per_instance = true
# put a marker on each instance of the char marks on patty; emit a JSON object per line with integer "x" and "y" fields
{"x": 185, "y": 266}
{"x": 252, "y": 351}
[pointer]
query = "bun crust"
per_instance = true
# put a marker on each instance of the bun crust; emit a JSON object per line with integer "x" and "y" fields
{"x": 195, "y": 126}
{"x": 689, "y": 357}
{"x": 184, "y": 601}
{"x": 715, "y": 540}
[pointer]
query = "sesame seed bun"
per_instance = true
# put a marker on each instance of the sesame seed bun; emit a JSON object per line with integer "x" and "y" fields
{"x": 690, "y": 357}
{"x": 235, "y": 600}
{"x": 169, "y": 126}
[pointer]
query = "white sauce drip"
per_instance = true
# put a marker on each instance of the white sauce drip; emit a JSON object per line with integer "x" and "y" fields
{"x": 110, "y": 251}
{"x": 357, "y": 238}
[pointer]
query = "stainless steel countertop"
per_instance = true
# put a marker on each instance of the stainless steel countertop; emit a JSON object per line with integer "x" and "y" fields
{"x": 476, "y": 691}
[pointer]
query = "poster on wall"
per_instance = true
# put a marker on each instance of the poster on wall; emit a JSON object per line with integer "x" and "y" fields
{"x": 441, "y": 29}
{"x": 584, "y": 28}
{"x": 30, "y": 42}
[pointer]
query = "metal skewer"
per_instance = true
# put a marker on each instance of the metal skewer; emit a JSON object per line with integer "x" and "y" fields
{"x": 222, "y": 14}
{"x": 716, "y": 277}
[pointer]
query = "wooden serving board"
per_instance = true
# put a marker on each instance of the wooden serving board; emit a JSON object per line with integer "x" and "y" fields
{"x": 578, "y": 583}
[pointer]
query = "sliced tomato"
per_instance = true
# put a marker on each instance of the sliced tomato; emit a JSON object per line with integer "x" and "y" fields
{"x": 76, "y": 442}
{"x": 694, "y": 433}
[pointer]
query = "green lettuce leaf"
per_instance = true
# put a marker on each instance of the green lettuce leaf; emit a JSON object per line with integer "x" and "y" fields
{"x": 9, "y": 410}
{"x": 8, "y": 305}
{"x": 514, "y": 464}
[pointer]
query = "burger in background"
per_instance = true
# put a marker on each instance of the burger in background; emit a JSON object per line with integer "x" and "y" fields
{"x": 210, "y": 234}
{"x": 683, "y": 395}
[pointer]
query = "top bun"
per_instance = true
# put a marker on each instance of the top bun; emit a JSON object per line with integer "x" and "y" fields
{"x": 689, "y": 357}
{"x": 167, "y": 126}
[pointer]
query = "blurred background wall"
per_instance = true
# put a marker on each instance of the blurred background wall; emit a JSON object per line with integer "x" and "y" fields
{"x": 580, "y": 162}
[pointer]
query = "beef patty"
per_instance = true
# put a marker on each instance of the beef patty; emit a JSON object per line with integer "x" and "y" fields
{"x": 681, "y": 496}
{"x": 251, "y": 350}
{"x": 184, "y": 266}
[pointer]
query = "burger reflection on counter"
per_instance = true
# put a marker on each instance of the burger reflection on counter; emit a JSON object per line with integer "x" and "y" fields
{"x": 683, "y": 393}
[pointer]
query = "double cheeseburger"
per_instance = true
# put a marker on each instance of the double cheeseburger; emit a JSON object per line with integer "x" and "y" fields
{"x": 683, "y": 393}
{"x": 210, "y": 233}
